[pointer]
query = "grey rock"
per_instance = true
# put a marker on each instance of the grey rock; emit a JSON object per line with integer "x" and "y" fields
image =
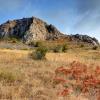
{"x": 34, "y": 29}
{"x": 29, "y": 29}
{"x": 84, "y": 38}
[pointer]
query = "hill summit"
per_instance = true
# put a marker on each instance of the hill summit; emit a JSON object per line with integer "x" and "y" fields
{"x": 34, "y": 29}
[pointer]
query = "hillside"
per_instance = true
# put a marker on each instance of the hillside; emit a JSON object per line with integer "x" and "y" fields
{"x": 23, "y": 78}
{"x": 33, "y": 29}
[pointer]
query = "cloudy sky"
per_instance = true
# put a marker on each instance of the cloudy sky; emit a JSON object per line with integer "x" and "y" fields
{"x": 69, "y": 16}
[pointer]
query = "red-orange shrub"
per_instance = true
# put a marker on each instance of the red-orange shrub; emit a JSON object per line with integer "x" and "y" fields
{"x": 78, "y": 75}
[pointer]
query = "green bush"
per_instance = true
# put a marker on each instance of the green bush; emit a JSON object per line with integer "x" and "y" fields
{"x": 82, "y": 45}
{"x": 14, "y": 40}
{"x": 39, "y": 53}
{"x": 95, "y": 47}
{"x": 60, "y": 48}
{"x": 64, "y": 47}
{"x": 36, "y": 44}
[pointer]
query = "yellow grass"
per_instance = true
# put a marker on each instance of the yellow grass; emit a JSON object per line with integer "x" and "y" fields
{"x": 83, "y": 56}
{"x": 33, "y": 79}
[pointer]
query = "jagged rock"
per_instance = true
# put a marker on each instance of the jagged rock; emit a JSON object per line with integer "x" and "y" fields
{"x": 34, "y": 29}
{"x": 29, "y": 29}
{"x": 84, "y": 38}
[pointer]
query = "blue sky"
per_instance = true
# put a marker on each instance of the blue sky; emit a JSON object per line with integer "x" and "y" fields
{"x": 69, "y": 16}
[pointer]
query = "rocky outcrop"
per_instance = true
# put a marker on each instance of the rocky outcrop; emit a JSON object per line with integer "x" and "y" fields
{"x": 84, "y": 38}
{"x": 29, "y": 29}
{"x": 34, "y": 29}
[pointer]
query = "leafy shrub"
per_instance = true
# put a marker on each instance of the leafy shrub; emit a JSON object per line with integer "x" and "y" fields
{"x": 95, "y": 48}
{"x": 82, "y": 45}
{"x": 77, "y": 78}
{"x": 40, "y": 53}
{"x": 14, "y": 40}
{"x": 58, "y": 49}
{"x": 11, "y": 39}
{"x": 36, "y": 44}
{"x": 61, "y": 48}
{"x": 64, "y": 47}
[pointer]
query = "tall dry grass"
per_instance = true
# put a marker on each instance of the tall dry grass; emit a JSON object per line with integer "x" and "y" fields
{"x": 22, "y": 78}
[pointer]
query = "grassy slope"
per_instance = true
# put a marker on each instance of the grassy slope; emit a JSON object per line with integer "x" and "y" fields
{"x": 22, "y": 78}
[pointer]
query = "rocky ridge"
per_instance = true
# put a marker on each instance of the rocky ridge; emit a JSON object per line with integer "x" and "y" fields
{"x": 84, "y": 38}
{"x": 29, "y": 29}
{"x": 34, "y": 29}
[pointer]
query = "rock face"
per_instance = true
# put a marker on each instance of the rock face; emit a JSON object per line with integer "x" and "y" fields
{"x": 29, "y": 29}
{"x": 84, "y": 38}
{"x": 34, "y": 29}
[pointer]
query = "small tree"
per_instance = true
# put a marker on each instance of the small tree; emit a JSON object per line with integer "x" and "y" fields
{"x": 40, "y": 53}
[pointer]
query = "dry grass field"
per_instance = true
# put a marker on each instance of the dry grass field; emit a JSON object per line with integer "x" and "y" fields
{"x": 22, "y": 78}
